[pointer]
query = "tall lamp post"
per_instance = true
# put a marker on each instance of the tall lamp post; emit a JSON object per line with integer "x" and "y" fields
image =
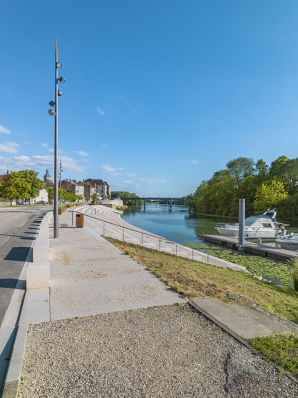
{"x": 52, "y": 112}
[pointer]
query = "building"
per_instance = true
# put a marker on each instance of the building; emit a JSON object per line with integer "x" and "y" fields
{"x": 89, "y": 189}
{"x": 42, "y": 197}
{"x": 73, "y": 187}
{"x": 47, "y": 179}
{"x": 102, "y": 187}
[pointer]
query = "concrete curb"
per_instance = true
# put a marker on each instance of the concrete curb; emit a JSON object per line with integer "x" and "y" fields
{"x": 242, "y": 341}
{"x": 17, "y": 322}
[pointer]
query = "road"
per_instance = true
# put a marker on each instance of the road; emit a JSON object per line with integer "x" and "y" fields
{"x": 18, "y": 227}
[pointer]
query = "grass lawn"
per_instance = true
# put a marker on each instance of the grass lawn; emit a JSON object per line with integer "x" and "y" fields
{"x": 281, "y": 348}
{"x": 195, "y": 279}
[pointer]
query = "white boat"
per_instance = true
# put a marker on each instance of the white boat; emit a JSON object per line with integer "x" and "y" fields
{"x": 261, "y": 226}
{"x": 288, "y": 242}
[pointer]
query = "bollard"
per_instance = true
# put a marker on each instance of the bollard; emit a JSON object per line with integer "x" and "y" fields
{"x": 241, "y": 225}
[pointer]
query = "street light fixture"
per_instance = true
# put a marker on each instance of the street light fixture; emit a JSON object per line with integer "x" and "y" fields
{"x": 58, "y": 93}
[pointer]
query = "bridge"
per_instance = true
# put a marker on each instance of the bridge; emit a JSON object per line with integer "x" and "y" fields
{"x": 168, "y": 199}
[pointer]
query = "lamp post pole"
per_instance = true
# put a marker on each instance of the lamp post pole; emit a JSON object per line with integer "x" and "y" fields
{"x": 56, "y": 220}
{"x": 55, "y": 112}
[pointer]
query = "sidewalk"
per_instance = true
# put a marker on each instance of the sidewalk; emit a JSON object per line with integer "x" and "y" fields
{"x": 107, "y": 327}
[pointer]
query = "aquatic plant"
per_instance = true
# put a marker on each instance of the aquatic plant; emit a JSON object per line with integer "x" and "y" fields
{"x": 277, "y": 272}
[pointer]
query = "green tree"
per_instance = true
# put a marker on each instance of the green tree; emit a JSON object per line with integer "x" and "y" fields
{"x": 50, "y": 192}
{"x": 268, "y": 196}
{"x": 35, "y": 183}
{"x": 15, "y": 186}
{"x": 94, "y": 197}
{"x": 240, "y": 168}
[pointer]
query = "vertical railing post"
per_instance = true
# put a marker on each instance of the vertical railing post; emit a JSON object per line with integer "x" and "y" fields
{"x": 72, "y": 218}
{"x": 192, "y": 254}
{"x": 176, "y": 249}
{"x": 123, "y": 233}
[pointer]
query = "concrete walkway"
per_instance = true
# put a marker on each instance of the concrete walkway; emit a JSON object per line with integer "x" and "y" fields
{"x": 90, "y": 276}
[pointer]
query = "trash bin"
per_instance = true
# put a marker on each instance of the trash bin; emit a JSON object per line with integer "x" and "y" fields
{"x": 59, "y": 212}
{"x": 79, "y": 220}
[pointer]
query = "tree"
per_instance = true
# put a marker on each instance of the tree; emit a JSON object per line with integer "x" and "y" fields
{"x": 35, "y": 183}
{"x": 240, "y": 168}
{"x": 268, "y": 196}
{"x": 15, "y": 186}
{"x": 261, "y": 168}
{"x": 94, "y": 197}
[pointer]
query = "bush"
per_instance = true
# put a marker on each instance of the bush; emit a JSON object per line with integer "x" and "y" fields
{"x": 294, "y": 263}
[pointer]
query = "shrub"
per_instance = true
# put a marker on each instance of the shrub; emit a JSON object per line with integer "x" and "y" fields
{"x": 294, "y": 263}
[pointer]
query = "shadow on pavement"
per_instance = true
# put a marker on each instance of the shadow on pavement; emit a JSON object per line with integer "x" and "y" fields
{"x": 11, "y": 283}
{"x": 17, "y": 254}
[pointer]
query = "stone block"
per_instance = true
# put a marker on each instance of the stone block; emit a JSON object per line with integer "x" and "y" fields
{"x": 41, "y": 249}
{"x": 38, "y": 275}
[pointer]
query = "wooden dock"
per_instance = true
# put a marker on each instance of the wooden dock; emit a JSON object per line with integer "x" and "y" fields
{"x": 251, "y": 247}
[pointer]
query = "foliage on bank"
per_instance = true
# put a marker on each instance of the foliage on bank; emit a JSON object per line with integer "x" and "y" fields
{"x": 125, "y": 197}
{"x": 65, "y": 195}
{"x": 23, "y": 184}
{"x": 262, "y": 186}
{"x": 195, "y": 279}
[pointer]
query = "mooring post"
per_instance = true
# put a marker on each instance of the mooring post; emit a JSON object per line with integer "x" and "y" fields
{"x": 241, "y": 225}
{"x": 144, "y": 205}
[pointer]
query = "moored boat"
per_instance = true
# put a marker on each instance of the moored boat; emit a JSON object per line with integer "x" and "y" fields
{"x": 261, "y": 226}
{"x": 288, "y": 242}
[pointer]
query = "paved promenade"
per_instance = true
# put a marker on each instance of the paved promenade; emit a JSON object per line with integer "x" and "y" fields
{"x": 107, "y": 327}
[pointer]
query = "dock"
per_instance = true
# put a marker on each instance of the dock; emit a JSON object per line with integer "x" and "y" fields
{"x": 251, "y": 247}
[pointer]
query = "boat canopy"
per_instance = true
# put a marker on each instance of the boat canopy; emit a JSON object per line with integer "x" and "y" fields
{"x": 251, "y": 220}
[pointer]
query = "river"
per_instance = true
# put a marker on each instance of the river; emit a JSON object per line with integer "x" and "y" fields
{"x": 176, "y": 224}
{"x": 181, "y": 227}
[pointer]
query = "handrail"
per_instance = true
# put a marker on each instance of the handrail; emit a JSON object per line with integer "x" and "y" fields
{"x": 117, "y": 225}
{"x": 134, "y": 230}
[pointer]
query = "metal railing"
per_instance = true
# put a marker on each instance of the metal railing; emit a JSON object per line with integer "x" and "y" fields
{"x": 146, "y": 234}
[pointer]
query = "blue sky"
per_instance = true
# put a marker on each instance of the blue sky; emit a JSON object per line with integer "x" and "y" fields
{"x": 158, "y": 95}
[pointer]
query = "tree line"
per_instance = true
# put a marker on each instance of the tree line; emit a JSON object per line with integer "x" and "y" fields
{"x": 125, "y": 197}
{"x": 262, "y": 186}
{"x": 25, "y": 184}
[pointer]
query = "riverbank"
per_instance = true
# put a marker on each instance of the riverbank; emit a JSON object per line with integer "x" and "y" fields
{"x": 193, "y": 279}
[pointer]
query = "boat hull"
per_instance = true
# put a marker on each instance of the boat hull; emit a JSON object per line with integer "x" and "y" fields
{"x": 253, "y": 233}
{"x": 287, "y": 244}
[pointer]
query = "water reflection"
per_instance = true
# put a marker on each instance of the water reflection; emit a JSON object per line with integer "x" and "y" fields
{"x": 174, "y": 224}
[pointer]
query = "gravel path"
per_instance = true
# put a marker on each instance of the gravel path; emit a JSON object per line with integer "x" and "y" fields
{"x": 167, "y": 351}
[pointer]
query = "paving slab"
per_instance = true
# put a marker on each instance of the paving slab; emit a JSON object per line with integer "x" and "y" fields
{"x": 246, "y": 322}
{"x": 91, "y": 276}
